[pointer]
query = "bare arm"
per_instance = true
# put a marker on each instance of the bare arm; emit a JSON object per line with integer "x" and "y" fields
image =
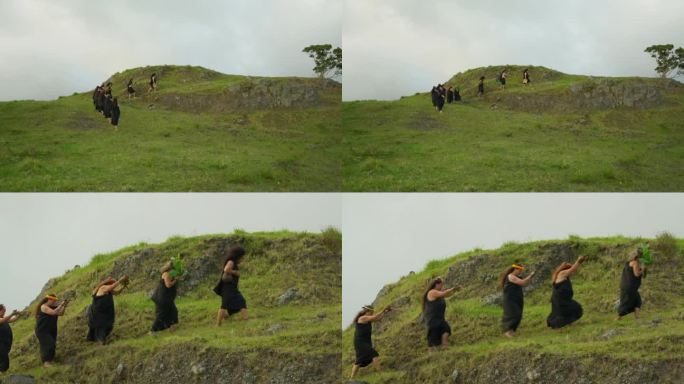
{"x": 574, "y": 267}
{"x": 59, "y": 311}
{"x": 117, "y": 287}
{"x": 636, "y": 268}
{"x": 168, "y": 280}
{"x": 372, "y": 318}
{"x": 11, "y": 318}
{"x": 228, "y": 269}
{"x": 436, "y": 294}
{"x": 521, "y": 282}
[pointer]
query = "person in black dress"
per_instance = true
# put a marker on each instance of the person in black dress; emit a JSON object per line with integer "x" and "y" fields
{"x": 434, "y": 306}
{"x": 630, "y": 300}
{"x": 434, "y": 93}
{"x": 47, "y": 313}
{"x": 130, "y": 89}
{"x": 232, "y": 300}
{"x": 116, "y": 113}
{"x": 153, "y": 83}
{"x": 512, "y": 286}
{"x": 480, "y": 87}
{"x": 457, "y": 95}
{"x": 95, "y": 97}
{"x": 502, "y": 78}
{"x": 450, "y": 95}
{"x": 6, "y": 337}
{"x": 363, "y": 343}
{"x": 564, "y": 310}
{"x": 526, "y": 77}
{"x": 441, "y": 94}
{"x": 107, "y": 107}
{"x": 164, "y": 300}
{"x": 101, "y": 99}
{"x": 101, "y": 314}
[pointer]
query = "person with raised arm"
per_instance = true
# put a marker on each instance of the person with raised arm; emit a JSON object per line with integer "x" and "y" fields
{"x": 363, "y": 343}
{"x": 434, "y": 307}
{"x": 632, "y": 272}
{"x": 232, "y": 301}
{"x": 6, "y": 336}
{"x": 47, "y": 313}
{"x": 164, "y": 300}
{"x": 512, "y": 285}
{"x": 101, "y": 314}
{"x": 564, "y": 310}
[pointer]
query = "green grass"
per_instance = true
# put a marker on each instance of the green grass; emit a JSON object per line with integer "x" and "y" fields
{"x": 65, "y": 145}
{"x": 404, "y": 145}
{"x": 307, "y": 328}
{"x": 478, "y": 346}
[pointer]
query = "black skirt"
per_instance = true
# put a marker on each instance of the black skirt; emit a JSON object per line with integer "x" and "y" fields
{"x": 116, "y": 113}
{"x": 365, "y": 353}
{"x": 564, "y": 310}
{"x": 5, "y": 346}
{"x": 435, "y": 332}
{"x": 630, "y": 299}
{"x": 512, "y": 306}
{"x": 101, "y": 318}
{"x": 165, "y": 308}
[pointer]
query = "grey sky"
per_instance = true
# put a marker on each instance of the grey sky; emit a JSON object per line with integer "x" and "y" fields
{"x": 398, "y": 47}
{"x": 42, "y": 235}
{"x": 52, "y": 48}
{"x": 385, "y": 236}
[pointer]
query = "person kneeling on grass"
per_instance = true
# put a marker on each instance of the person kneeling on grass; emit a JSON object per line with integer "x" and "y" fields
{"x": 512, "y": 286}
{"x": 363, "y": 343}
{"x": 101, "y": 314}
{"x": 434, "y": 306}
{"x": 47, "y": 312}
{"x": 232, "y": 300}
{"x": 164, "y": 300}
{"x": 6, "y": 337}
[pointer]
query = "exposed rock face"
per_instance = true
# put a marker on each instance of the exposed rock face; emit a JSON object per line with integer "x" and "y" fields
{"x": 19, "y": 379}
{"x": 256, "y": 93}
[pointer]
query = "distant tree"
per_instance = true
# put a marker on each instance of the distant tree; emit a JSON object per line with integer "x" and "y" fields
{"x": 328, "y": 60}
{"x": 667, "y": 58}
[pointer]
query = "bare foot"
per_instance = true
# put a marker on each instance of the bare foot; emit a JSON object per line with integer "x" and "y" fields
{"x": 47, "y": 364}
{"x": 509, "y": 334}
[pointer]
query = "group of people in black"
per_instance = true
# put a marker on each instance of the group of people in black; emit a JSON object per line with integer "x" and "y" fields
{"x": 108, "y": 105}
{"x": 441, "y": 95}
{"x": 564, "y": 309}
{"x": 101, "y": 313}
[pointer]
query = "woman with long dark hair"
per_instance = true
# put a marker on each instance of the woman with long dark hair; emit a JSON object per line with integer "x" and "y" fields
{"x": 434, "y": 306}
{"x": 47, "y": 312}
{"x": 526, "y": 76}
{"x": 232, "y": 300}
{"x": 101, "y": 314}
{"x": 512, "y": 286}
{"x": 164, "y": 300}
{"x": 630, "y": 299}
{"x": 363, "y": 342}
{"x": 564, "y": 310}
{"x": 130, "y": 89}
{"x": 6, "y": 336}
{"x": 153, "y": 83}
{"x": 480, "y": 87}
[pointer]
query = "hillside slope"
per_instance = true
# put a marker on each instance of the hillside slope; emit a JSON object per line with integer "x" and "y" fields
{"x": 287, "y": 340}
{"x": 596, "y": 349}
{"x": 201, "y": 131}
{"x": 561, "y": 133}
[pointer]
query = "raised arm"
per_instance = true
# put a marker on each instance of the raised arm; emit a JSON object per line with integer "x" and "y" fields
{"x": 436, "y": 294}
{"x": 521, "y": 282}
{"x": 168, "y": 280}
{"x": 372, "y": 318}
{"x": 117, "y": 287}
{"x": 574, "y": 267}
{"x": 637, "y": 268}
{"x": 228, "y": 269}
{"x": 58, "y": 311}
{"x": 11, "y": 318}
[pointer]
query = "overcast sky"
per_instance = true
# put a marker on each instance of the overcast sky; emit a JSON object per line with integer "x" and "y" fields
{"x": 385, "y": 236}
{"x": 42, "y": 235}
{"x": 398, "y": 47}
{"x": 52, "y": 48}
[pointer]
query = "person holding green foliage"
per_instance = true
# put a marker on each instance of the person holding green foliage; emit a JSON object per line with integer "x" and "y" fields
{"x": 232, "y": 300}
{"x": 630, "y": 300}
{"x": 164, "y": 296}
{"x": 101, "y": 313}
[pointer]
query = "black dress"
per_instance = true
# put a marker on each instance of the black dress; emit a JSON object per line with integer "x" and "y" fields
{"x": 95, "y": 92}
{"x": 512, "y": 306}
{"x": 457, "y": 95}
{"x": 107, "y": 109}
{"x": 564, "y": 310}
{"x": 116, "y": 113}
{"x": 5, "y": 346}
{"x": 363, "y": 345}
{"x": 100, "y": 101}
{"x": 436, "y": 324}
{"x": 434, "y": 94}
{"x": 480, "y": 88}
{"x": 46, "y": 332}
{"x": 165, "y": 307}
{"x": 231, "y": 298}
{"x": 101, "y": 317}
{"x": 130, "y": 88}
{"x": 440, "y": 99}
{"x": 629, "y": 291}
{"x": 450, "y": 96}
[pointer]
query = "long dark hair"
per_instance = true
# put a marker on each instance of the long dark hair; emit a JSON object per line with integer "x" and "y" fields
{"x": 42, "y": 301}
{"x": 235, "y": 254}
{"x": 504, "y": 276}
{"x": 636, "y": 254}
{"x": 562, "y": 267}
{"x": 431, "y": 286}
{"x": 363, "y": 311}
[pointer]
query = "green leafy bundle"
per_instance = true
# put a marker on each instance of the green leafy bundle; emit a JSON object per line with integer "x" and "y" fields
{"x": 177, "y": 269}
{"x": 646, "y": 255}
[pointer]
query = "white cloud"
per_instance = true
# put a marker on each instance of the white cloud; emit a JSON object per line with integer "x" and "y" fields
{"x": 394, "y": 48}
{"x": 56, "y": 48}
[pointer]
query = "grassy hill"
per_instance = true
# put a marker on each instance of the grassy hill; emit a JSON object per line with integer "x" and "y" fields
{"x": 293, "y": 342}
{"x": 202, "y": 131}
{"x": 561, "y": 133}
{"x": 596, "y": 349}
